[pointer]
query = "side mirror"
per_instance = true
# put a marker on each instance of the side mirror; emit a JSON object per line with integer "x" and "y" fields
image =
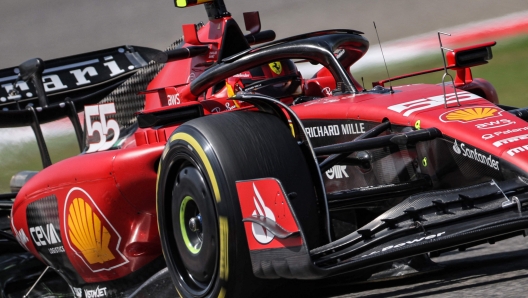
{"x": 470, "y": 56}
{"x": 252, "y": 21}
{"x": 33, "y": 69}
{"x": 187, "y": 3}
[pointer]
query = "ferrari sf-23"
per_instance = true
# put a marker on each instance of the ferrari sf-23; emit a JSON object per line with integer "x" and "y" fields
{"x": 217, "y": 160}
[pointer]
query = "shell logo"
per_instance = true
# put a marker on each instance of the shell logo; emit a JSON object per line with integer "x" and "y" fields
{"x": 89, "y": 233}
{"x": 470, "y": 114}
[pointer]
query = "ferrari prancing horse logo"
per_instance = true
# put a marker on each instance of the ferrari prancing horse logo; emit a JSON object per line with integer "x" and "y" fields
{"x": 276, "y": 67}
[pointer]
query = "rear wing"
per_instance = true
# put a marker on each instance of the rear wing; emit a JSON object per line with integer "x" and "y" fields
{"x": 82, "y": 77}
{"x": 69, "y": 84}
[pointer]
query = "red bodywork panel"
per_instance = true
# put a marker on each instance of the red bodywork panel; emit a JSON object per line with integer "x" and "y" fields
{"x": 182, "y": 73}
{"x": 102, "y": 220}
{"x": 106, "y": 208}
{"x": 476, "y": 122}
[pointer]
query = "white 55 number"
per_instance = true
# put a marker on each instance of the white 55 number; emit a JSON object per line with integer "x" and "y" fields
{"x": 102, "y": 127}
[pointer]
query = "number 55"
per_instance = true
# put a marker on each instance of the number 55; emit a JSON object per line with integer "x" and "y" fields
{"x": 102, "y": 127}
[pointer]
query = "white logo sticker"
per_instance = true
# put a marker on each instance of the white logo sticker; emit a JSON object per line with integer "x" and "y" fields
{"x": 473, "y": 154}
{"x": 326, "y": 91}
{"x": 335, "y": 130}
{"x": 261, "y": 234}
{"x": 21, "y": 238}
{"x": 495, "y": 124}
{"x": 230, "y": 107}
{"x": 43, "y": 236}
{"x": 456, "y": 148}
{"x": 102, "y": 127}
{"x": 410, "y": 107}
{"x": 173, "y": 99}
{"x": 506, "y": 132}
{"x": 417, "y": 240}
{"x": 98, "y": 292}
{"x": 337, "y": 172}
{"x": 487, "y": 136}
{"x": 516, "y": 150}
{"x": 77, "y": 292}
{"x": 510, "y": 140}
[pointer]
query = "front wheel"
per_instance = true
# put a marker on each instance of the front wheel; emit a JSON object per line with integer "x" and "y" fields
{"x": 200, "y": 222}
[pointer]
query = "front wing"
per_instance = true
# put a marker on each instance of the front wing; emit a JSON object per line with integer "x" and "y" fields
{"x": 430, "y": 222}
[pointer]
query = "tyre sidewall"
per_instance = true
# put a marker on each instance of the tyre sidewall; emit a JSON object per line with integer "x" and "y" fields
{"x": 226, "y": 213}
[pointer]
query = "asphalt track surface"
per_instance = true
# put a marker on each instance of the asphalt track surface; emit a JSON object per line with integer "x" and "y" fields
{"x": 51, "y": 29}
{"x": 498, "y": 270}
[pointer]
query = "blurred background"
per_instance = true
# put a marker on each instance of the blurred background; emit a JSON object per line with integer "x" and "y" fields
{"x": 55, "y": 28}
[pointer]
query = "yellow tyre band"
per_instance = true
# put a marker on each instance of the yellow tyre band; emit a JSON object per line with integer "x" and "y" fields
{"x": 223, "y": 223}
{"x": 157, "y": 182}
{"x": 224, "y": 257}
{"x": 194, "y": 144}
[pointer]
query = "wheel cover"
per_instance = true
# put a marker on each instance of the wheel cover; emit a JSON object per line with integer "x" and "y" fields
{"x": 195, "y": 248}
{"x": 188, "y": 210}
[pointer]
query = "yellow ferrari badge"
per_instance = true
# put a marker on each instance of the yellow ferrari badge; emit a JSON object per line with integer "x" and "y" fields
{"x": 276, "y": 67}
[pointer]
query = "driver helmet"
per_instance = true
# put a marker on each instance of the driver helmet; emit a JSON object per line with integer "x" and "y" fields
{"x": 279, "y": 79}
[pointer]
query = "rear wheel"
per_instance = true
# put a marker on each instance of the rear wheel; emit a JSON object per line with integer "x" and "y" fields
{"x": 199, "y": 216}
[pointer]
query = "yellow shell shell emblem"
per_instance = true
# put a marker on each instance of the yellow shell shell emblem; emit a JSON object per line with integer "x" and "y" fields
{"x": 87, "y": 233}
{"x": 276, "y": 67}
{"x": 471, "y": 114}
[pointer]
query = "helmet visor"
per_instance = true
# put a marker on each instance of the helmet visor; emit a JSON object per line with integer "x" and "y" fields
{"x": 278, "y": 87}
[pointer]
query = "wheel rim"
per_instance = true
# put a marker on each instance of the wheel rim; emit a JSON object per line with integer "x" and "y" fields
{"x": 195, "y": 231}
{"x": 189, "y": 214}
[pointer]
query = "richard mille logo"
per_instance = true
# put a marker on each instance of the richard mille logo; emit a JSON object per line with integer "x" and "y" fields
{"x": 259, "y": 232}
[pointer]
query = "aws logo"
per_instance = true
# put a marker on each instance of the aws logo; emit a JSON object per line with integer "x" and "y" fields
{"x": 470, "y": 114}
{"x": 89, "y": 233}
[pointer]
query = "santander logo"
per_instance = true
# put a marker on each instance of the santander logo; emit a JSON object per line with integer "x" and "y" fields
{"x": 456, "y": 148}
{"x": 260, "y": 233}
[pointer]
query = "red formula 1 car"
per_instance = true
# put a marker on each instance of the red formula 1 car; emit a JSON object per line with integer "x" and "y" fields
{"x": 217, "y": 160}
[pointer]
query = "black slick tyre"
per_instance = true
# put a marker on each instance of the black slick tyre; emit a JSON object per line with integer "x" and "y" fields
{"x": 199, "y": 217}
